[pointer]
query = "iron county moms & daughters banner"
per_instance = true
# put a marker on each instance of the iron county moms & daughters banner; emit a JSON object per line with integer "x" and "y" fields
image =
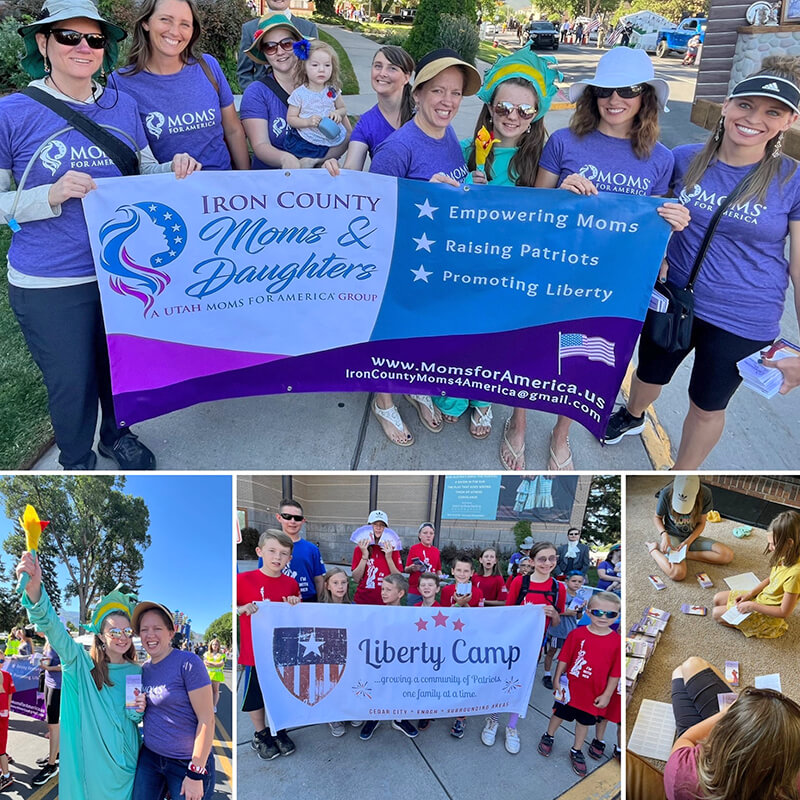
{"x": 245, "y": 283}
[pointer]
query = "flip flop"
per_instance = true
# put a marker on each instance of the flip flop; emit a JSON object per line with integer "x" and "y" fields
{"x": 484, "y": 420}
{"x": 518, "y": 457}
{"x": 420, "y": 400}
{"x": 392, "y": 423}
{"x": 555, "y": 464}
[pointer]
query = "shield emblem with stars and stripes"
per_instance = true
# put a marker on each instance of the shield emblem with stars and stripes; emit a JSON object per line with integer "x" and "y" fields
{"x": 309, "y": 661}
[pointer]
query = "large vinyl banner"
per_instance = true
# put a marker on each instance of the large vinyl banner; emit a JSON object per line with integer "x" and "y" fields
{"x": 328, "y": 663}
{"x": 27, "y": 698}
{"x": 243, "y": 283}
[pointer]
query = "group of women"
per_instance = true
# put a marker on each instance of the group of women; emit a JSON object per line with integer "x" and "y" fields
{"x": 101, "y": 757}
{"x": 739, "y": 291}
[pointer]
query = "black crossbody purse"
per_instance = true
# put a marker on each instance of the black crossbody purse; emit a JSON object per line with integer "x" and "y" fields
{"x": 671, "y": 329}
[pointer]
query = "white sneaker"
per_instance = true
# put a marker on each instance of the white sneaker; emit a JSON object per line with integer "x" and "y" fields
{"x": 512, "y": 741}
{"x": 356, "y": 723}
{"x": 337, "y": 729}
{"x": 489, "y": 732}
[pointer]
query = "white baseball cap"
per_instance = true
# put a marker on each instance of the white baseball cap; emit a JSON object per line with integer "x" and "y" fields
{"x": 378, "y": 516}
{"x": 684, "y": 493}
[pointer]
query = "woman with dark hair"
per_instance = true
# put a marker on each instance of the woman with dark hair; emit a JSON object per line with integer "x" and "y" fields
{"x": 740, "y": 289}
{"x": 51, "y": 274}
{"x": 179, "y": 719}
{"x": 99, "y": 736}
{"x": 183, "y": 96}
{"x": 611, "y": 145}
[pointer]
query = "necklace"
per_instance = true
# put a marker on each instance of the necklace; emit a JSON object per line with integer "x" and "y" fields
{"x": 59, "y": 89}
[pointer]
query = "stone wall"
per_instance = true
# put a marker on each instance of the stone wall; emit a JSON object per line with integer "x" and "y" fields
{"x": 755, "y": 44}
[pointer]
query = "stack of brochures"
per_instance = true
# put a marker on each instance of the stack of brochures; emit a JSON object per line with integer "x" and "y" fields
{"x": 640, "y": 643}
{"x": 767, "y": 381}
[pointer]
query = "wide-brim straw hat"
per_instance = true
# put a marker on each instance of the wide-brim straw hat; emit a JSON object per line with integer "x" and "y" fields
{"x": 430, "y": 65}
{"x": 267, "y": 23}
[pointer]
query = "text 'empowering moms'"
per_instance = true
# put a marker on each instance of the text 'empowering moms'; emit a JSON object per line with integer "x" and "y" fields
{"x": 233, "y": 284}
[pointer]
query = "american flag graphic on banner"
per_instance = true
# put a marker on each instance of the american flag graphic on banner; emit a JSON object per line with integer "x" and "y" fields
{"x": 595, "y": 348}
{"x": 309, "y": 661}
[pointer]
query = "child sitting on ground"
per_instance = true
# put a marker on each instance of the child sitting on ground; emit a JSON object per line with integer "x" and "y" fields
{"x": 771, "y": 602}
{"x": 591, "y": 659}
{"x": 316, "y": 117}
{"x": 575, "y": 605}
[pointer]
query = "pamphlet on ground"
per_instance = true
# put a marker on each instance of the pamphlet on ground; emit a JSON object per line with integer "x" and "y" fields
{"x": 734, "y": 617}
{"x": 704, "y": 580}
{"x": 654, "y": 730}
{"x": 732, "y": 672}
{"x": 744, "y": 582}
{"x": 772, "y": 681}
{"x": 699, "y": 611}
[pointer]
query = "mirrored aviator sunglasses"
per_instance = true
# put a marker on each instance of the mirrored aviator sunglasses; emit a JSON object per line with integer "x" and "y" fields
{"x": 524, "y": 111}
{"x": 625, "y": 92}
{"x": 70, "y": 38}
{"x": 119, "y": 633}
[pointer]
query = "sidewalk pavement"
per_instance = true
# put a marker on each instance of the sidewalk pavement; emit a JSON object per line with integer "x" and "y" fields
{"x": 335, "y": 431}
{"x": 434, "y": 766}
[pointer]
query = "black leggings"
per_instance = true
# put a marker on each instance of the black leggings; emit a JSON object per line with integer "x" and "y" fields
{"x": 696, "y": 700}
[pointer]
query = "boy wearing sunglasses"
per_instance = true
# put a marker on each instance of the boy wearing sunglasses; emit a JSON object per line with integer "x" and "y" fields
{"x": 591, "y": 660}
{"x": 306, "y": 565}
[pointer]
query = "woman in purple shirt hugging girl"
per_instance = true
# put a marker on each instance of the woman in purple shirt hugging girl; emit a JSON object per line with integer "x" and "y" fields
{"x": 611, "y": 145}
{"x": 740, "y": 288}
{"x": 179, "y": 716}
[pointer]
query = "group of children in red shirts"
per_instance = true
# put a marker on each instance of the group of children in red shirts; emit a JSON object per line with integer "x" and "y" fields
{"x": 590, "y": 658}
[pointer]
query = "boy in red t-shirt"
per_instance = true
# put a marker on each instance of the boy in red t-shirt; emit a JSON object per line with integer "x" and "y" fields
{"x": 428, "y": 588}
{"x": 467, "y": 594}
{"x": 373, "y": 562}
{"x": 422, "y": 557}
{"x": 591, "y": 659}
{"x": 267, "y": 584}
{"x": 6, "y": 690}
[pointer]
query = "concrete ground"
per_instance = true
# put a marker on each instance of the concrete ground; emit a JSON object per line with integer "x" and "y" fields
{"x": 335, "y": 431}
{"x": 692, "y": 635}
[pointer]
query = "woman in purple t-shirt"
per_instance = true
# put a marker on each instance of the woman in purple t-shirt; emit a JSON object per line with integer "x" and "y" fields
{"x": 741, "y": 287}
{"x": 611, "y": 145}
{"x": 748, "y": 751}
{"x": 183, "y": 96}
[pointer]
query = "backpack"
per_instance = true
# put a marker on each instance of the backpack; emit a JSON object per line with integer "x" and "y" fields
{"x": 551, "y": 594}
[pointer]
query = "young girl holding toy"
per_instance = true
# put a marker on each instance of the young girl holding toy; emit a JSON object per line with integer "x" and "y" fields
{"x": 317, "y": 117}
{"x": 771, "y": 602}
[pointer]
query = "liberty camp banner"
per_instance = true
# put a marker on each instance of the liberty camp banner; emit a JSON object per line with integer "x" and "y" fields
{"x": 231, "y": 284}
{"x": 327, "y": 663}
{"x": 27, "y": 699}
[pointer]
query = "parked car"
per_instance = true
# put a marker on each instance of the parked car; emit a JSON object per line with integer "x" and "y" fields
{"x": 489, "y": 30}
{"x": 404, "y": 17}
{"x": 542, "y": 34}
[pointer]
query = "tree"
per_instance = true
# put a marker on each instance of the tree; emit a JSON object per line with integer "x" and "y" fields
{"x": 424, "y": 35}
{"x": 601, "y": 522}
{"x": 9, "y": 604}
{"x": 96, "y": 531}
{"x": 221, "y": 628}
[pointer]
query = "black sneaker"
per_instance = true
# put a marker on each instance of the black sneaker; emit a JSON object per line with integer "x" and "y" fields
{"x": 44, "y": 775}
{"x": 129, "y": 453}
{"x": 405, "y": 727}
{"x": 368, "y": 729}
{"x": 40, "y": 762}
{"x": 547, "y": 680}
{"x": 267, "y": 749}
{"x": 87, "y": 465}
{"x": 623, "y": 423}
{"x": 5, "y": 783}
{"x": 285, "y": 744}
{"x": 578, "y": 762}
{"x": 596, "y": 749}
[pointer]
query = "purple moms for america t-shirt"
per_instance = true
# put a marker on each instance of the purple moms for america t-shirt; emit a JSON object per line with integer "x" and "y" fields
{"x": 260, "y": 102}
{"x": 742, "y": 283}
{"x": 609, "y": 163}
{"x": 181, "y": 113}
{"x": 410, "y": 153}
{"x": 170, "y": 723}
{"x": 371, "y": 129}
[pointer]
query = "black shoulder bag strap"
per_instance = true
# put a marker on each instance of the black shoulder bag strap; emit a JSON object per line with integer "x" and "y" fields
{"x": 123, "y": 157}
{"x": 276, "y": 88}
{"x": 734, "y": 195}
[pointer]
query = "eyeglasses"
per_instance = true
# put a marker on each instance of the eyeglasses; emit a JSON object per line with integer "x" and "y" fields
{"x": 547, "y": 560}
{"x": 524, "y": 110}
{"x": 625, "y": 92}
{"x": 270, "y": 48}
{"x": 119, "y": 633}
{"x": 598, "y": 612}
{"x": 97, "y": 41}
{"x": 293, "y": 517}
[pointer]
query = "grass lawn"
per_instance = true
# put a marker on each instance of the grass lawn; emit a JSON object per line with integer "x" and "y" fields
{"x": 490, "y": 54}
{"x": 24, "y": 421}
{"x": 349, "y": 80}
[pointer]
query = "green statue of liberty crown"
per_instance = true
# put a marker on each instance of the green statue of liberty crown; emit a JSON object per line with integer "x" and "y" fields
{"x": 115, "y": 602}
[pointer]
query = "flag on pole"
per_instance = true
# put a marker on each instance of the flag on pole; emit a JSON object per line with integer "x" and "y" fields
{"x": 595, "y": 348}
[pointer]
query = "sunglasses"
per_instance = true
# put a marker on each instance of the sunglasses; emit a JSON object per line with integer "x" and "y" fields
{"x": 523, "y": 110}
{"x": 598, "y": 612}
{"x": 97, "y": 41}
{"x": 625, "y": 92}
{"x": 270, "y": 48}
{"x": 119, "y": 633}
{"x": 293, "y": 517}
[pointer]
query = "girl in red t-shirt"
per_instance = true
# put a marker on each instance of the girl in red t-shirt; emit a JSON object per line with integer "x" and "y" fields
{"x": 489, "y": 580}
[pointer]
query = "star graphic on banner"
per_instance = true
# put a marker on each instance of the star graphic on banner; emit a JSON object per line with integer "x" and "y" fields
{"x": 420, "y": 274}
{"x": 159, "y": 260}
{"x": 458, "y": 625}
{"x": 151, "y": 208}
{"x": 422, "y": 624}
{"x": 176, "y": 227}
{"x": 440, "y": 620}
{"x": 172, "y": 253}
{"x": 426, "y": 209}
{"x": 178, "y": 239}
{"x": 511, "y": 685}
{"x": 311, "y": 645}
{"x": 424, "y": 242}
{"x": 167, "y": 215}
{"x": 363, "y": 689}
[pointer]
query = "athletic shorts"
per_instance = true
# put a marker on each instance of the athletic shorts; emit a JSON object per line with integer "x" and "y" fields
{"x": 570, "y": 714}
{"x": 52, "y": 702}
{"x": 699, "y": 544}
{"x": 696, "y": 700}
{"x": 253, "y": 699}
{"x": 714, "y": 378}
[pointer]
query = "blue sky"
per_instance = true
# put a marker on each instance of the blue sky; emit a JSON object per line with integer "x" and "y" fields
{"x": 188, "y": 566}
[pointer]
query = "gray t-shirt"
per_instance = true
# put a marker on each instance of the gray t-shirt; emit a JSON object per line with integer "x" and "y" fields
{"x": 676, "y": 524}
